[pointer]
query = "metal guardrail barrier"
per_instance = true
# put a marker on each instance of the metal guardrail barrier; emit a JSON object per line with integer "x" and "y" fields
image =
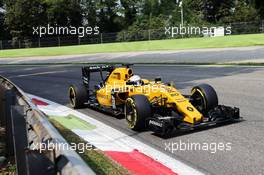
{"x": 26, "y": 126}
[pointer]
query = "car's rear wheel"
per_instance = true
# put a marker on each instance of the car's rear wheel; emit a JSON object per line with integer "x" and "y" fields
{"x": 204, "y": 97}
{"x": 78, "y": 96}
{"x": 137, "y": 110}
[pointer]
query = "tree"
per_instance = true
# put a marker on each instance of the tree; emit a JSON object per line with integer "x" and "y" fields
{"x": 121, "y": 15}
{"x": 89, "y": 12}
{"x": 259, "y": 5}
{"x": 215, "y": 10}
{"x": 64, "y": 12}
{"x": 108, "y": 18}
{"x": 141, "y": 28}
{"x": 129, "y": 12}
{"x": 167, "y": 7}
{"x": 2, "y": 30}
{"x": 192, "y": 10}
{"x": 243, "y": 12}
{"x": 151, "y": 8}
{"x": 22, "y": 15}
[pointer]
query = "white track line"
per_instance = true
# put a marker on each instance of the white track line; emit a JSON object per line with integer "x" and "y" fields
{"x": 40, "y": 73}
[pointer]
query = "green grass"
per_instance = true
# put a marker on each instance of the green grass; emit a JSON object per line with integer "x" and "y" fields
{"x": 172, "y": 44}
{"x": 96, "y": 159}
{"x": 73, "y": 122}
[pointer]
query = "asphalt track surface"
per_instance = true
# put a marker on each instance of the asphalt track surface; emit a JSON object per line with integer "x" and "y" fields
{"x": 236, "y": 86}
{"x": 253, "y": 54}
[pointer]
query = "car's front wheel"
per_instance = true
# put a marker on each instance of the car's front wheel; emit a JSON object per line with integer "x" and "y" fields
{"x": 204, "y": 97}
{"x": 137, "y": 110}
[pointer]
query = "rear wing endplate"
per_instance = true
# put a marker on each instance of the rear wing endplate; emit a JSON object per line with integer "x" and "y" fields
{"x": 87, "y": 70}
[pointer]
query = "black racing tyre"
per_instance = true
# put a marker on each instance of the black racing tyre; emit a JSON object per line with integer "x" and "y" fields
{"x": 78, "y": 96}
{"x": 204, "y": 97}
{"x": 137, "y": 110}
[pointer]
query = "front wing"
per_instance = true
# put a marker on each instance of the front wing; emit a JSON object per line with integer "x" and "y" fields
{"x": 219, "y": 115}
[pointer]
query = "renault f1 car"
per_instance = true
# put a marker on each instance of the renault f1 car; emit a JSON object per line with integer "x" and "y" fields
{"x": 149, "y": 104}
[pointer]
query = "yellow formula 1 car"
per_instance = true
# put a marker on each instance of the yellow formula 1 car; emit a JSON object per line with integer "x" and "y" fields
{"x": 149, "y": 104}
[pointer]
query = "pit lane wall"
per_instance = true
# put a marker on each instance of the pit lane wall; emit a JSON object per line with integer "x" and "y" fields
{"x": 25, "y": 127}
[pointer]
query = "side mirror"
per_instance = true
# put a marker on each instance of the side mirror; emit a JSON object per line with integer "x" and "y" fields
{"x": 99, "y": 86}
{"x": 157, "y": 79}
{"x": 171, "y": 83}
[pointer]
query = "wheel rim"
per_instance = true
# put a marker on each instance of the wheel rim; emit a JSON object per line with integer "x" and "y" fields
{"x": 72, "y": 96}
{"x": 130, "y": 113}
{"x": 200, "y": 101}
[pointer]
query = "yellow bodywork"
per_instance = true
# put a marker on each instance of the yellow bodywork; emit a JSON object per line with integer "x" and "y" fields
{"x": 117, "y": 83}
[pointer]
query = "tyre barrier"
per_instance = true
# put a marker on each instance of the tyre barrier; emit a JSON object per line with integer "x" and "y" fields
{"x": 25, "y": 128}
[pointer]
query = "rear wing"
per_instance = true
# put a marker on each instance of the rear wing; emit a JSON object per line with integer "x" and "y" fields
{"x": 98, "y": 68}
{"x": 87, "y": 70}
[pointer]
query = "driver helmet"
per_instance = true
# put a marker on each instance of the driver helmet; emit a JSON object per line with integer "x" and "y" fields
{"x": 135, "y": 79}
